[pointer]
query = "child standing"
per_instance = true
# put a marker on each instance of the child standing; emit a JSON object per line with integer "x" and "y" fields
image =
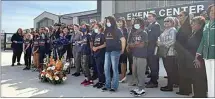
{"x": 137, "y": 43}
{"x": 27, "y": 50}
{"x": 99, "y": 45}
{"x": 85, "y": 54}
{"x": 35, "y": 51}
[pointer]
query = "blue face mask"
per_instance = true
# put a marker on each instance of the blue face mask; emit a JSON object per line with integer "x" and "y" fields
{"x": 83, "y": 30}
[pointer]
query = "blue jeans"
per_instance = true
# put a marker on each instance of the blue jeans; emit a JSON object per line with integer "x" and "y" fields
{"x": 112, "y": 58}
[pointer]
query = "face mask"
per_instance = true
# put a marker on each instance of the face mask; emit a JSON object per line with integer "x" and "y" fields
{"x": 108, "y": 25}
{"x": 71, "y": 30}
{"x": 96, "y": 30}
{"x": 83, "y": 29}
{"x": 137, "y": 26}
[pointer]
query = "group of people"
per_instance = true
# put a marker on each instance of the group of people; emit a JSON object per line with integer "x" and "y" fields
{"x": 186, "y": 47}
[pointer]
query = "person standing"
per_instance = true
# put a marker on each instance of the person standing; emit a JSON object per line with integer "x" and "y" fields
{"x": 99, "y": 45}
{"x": 124, "y": 56}
{"x": 76, "y": 38}
{"x": 17, "y": 46}
{"x": 198, "y": 75}
{"x": 115, "y": 45}
{"x": 167, "y": 41}
{"x": 27, "y": 48}
{"x": 153, "y": 31}
{"x": 35, "y": 50}
{"x": 137, "y": 44}
{"x": 181, "y": 39}
{"x": 207, "y": 50}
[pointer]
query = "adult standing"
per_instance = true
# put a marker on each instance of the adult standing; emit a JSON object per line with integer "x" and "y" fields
{"x": 153, "y": 60}
{"x": 115, "y": 45}
{"x": 180, "y": 46}
{"x": 17, "y": 46}
{"x": 207, "y": 50}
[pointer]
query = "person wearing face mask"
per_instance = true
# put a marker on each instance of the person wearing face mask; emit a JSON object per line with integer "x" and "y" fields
{"x": 35, "y": 51}
{"x": 76, "y": 50}
{"x": 180, "y": 46}
{"x": 17, "y": 46}
{"x": 137, "y": 44}
{"x": 115, "y": 45}
{"x": 99, "y": 45}
{"x": 206, "y": 50}
{"x": 166, "y": 41}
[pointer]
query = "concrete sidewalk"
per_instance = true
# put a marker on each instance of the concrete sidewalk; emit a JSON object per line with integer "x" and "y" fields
{"x": 18, "y": 83}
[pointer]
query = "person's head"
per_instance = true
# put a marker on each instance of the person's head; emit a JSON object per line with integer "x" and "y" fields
{"x": 204, "y": 14}
{"x": 92, "y": 22}
{"x": 51, "y": 28}
{"x": 169, "y": 22}
{"x": 122, "y": 22}
{"x": 84, "y": 28}
{"x": 197, "y": 23}
{"x": 211, "y": 12}
{"x": 151, "y": 17}
{"x": 110, "y": 26}
{"x": 76, "y": 27}
{"x": 138, "y": 23}
{"x": 46, "y": 30}
{"x": 176, "y": 22}
{"x": 19, "y": 31}
{"x": 28, "y": 36}
{"x": 65, "y": 30}
{"x": 57, "y": 26}
{"x": 182, "y": 16}
{"x": 98, "y": 28}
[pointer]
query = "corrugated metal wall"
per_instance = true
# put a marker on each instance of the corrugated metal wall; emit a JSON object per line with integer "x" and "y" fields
{"x": 127, "y": 6}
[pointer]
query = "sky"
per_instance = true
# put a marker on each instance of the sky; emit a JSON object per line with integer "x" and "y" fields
{"x": 21, "y": 14}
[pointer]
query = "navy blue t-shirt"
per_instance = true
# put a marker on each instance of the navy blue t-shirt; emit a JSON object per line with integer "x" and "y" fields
{"x": 141, "y": 36}
{"x": 113, "y": 44}
{"x": 98, "y": 41}
{"x": 42, "y": 42}
{"x": 28, "y": 42}
{"x": 85, "y": 45}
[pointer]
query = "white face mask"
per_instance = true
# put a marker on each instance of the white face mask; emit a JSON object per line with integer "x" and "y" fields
{"x": 108, "y": 25}
{"x": 96, "y": 30}
{"x": 137, "y": 26}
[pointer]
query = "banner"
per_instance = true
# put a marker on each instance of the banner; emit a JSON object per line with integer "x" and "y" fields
{"x": 193, "y": 8}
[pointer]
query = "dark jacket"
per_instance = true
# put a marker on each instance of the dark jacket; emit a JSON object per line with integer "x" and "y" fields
{"x": 19, "y": 39}
{"x": 193, "y": 42}
{"x": 154, "y": 32}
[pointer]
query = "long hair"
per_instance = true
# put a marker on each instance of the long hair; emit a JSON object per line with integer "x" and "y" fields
{"x": 113, "y": 27}
{"x": 100, "y": 26}
{"x": 18, "y": 31}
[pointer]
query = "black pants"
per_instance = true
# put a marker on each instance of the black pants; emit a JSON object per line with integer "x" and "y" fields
{"x": 42, "y": 55}
{"x": 198, "y": 78}
{"x": 171, "y": 70}
{"x": 93, "y": 63}
{"x": 27, "y": 58}
{"x": 154, "y": 67}
{"x": 100, "y": 68}
{"x": 16, "y": 55}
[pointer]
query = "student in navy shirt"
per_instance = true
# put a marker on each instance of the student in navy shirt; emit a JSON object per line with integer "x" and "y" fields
{"x": 35, "y": 51}
{"x": 99, "y": 45}
{"x": 115, "y": 45}
{"x": 27, "y": 50}
{"x": 123, "y": 57}
{"x": 137, "y": 44}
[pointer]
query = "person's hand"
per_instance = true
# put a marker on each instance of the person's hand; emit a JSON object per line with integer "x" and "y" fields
{"x": 197, "y": 63}
{"x": 95, "y": 49}
{"x": 15, "y": 41}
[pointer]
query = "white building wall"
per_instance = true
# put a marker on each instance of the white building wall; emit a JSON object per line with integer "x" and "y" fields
{"x": 67, "y": 21}
{"x": 75, "y": 20}
{"x": 45, "y": 15}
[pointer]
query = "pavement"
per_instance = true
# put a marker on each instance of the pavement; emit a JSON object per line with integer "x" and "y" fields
{"x": 18, "y": 83}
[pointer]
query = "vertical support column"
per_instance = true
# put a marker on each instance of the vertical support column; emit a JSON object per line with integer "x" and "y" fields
{"x": 75, "y": 20}
{"x": 107, "y": 9}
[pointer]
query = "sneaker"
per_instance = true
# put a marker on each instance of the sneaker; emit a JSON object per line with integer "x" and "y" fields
{"x": 76, "y": 74}
{"x": 104, "y": 89}
{"x": 83, "y": 82}
{"x": 134, "y": 90}
{"x": 129, "y": 73}
{"x": 19, "y": 64}
{"x": 88, "y": 83}
{"x": 151, "y": 85}
{"x": 166, "y": 88}
{"x": 25, "y": 68}
{"x": 123, "y": 80}
{"x": 112, "y": 90}
{"x": 12, "y": 65}
{"x": 100, "y": 85}
{"x": 96, "y": 85}
{"x": 140, "y": 92}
